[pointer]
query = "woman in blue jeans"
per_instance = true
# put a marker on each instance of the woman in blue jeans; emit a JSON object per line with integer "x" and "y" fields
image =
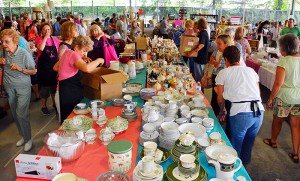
{"x": 239, "y": 98}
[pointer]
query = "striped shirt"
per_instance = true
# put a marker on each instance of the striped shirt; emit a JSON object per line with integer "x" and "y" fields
{"x": 14, "y": 78}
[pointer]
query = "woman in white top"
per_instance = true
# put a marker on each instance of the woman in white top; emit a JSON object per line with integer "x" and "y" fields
{"x": 238, "y": 88}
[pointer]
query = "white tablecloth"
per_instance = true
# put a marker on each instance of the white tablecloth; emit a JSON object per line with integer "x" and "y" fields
{"x": 266, "y": 77}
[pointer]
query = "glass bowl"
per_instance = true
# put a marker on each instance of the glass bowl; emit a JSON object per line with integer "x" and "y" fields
{"x": 68, "y": 151}
{"x": 113, "y": 176}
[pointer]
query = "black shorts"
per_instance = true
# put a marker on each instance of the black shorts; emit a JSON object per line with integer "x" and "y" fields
{"x": 33, "y": 79}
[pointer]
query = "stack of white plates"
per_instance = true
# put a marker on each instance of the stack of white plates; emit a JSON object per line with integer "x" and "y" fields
{"x": 169, "y": 133}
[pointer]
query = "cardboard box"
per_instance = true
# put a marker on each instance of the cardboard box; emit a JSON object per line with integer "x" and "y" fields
{"x": 104, "y": 84}
{"x": 35, "y": 166}
{"x": 188, "y": 43}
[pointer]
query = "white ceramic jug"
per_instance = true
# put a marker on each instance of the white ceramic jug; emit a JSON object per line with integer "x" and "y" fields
{"x": 225, "y": 166}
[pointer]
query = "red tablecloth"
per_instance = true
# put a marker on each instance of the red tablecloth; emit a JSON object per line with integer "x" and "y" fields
{"x": 251, "y": 63}
{"x": 94, "y": 160}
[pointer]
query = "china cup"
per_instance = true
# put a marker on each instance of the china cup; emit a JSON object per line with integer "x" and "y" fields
{"x": 127, "y": 98}
{"x": 187, "y": 160}
{"x": 81, "y": 106}
{"x": 147, "y": 164}
{"x": 215, "y": 137}
{"x": 208, "y": 122}
{"x": 203, "y": 143}
{"x": 150, "y": 148}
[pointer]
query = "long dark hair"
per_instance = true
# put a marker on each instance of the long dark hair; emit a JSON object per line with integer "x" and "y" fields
{"x": 29, "y": 27}
{"x": 260, "y": 27}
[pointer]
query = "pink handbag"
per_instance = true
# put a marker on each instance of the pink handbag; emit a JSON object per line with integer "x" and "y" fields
{"x": 109, "y": 52}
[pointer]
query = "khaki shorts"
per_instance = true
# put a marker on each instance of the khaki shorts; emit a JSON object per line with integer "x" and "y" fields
{"x": 283, "y": 110}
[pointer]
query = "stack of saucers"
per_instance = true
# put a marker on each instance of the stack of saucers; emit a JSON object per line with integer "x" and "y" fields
{"x": 186, "y": 144}
{"x": 171, "y": 110}
{"x": 147, "y": 93}
{"x": 147, "y": 170}
{"x": 169, "y": 133}
{"x": 130, "y": 116}
{"x": 151, "y": 114}
{"x": 148, "y": 134}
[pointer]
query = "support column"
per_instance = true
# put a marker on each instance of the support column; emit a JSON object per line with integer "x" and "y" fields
{"x": 293, "y": 8}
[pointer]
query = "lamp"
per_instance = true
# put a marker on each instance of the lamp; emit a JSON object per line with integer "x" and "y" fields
{"x": 51, "y": 4}
{"x": 37, "y": 11}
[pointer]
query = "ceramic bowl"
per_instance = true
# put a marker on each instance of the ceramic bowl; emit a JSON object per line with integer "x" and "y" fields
{"x": 149, "y": 128}
{"x": 81, "y": 106}
{"x": 196, "y": 130}
{"x": 169, "y": 127}
{"x": 68, "y": 152}
{"x": 212, "y": 152}
{"x": 113, "y": 176}
{"x": 65, "y": 176}
{"x": 100, "y": 103}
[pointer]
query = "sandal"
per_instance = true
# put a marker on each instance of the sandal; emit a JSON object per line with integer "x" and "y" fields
{"x": 294, "y": 157}
{"x": 268, "y": 141}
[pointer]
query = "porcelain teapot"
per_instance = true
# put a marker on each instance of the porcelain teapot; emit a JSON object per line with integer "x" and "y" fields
{"x": 225, "y": 166}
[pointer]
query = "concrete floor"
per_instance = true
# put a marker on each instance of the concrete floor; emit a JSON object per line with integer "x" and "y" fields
{"x": 267, "y": 164}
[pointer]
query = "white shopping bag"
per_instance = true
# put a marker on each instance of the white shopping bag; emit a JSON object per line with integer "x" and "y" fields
{"x": 261, "y": 43}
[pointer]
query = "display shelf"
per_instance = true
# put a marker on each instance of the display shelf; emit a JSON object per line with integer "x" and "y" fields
{"x": 193, "y": 16}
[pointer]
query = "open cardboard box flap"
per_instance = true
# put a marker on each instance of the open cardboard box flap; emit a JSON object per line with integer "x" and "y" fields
{"x": 114, "y": 78}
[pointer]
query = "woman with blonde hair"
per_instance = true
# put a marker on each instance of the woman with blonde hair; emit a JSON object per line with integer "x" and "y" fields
{"x": 70, "y": 68}
{"x": 68, "y": 32}
{"x": 218, "y": 62}
{"x": 99, "y": 38}
{"x": 239, "y": 37}
{"x": 18, "y": 65}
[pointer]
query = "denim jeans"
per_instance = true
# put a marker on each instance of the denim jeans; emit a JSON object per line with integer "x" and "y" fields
{"x": 244, "y": 128}
{"x": 19, "y": 99}
{"x": 198, "y": 71}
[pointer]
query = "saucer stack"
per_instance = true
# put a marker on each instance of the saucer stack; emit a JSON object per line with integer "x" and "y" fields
{"x": 148, "y": 134}
{"x": 178, "y": 149}
{"x": 169, "y": 133}
{"x": 171, "y": 110}
{"x": 147, "y": 93}
{"x": 153, "y": 116}
{"x": 130, "y": 116}
{"x": 173, "y": 173}
{"x": 155, "y": 175}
